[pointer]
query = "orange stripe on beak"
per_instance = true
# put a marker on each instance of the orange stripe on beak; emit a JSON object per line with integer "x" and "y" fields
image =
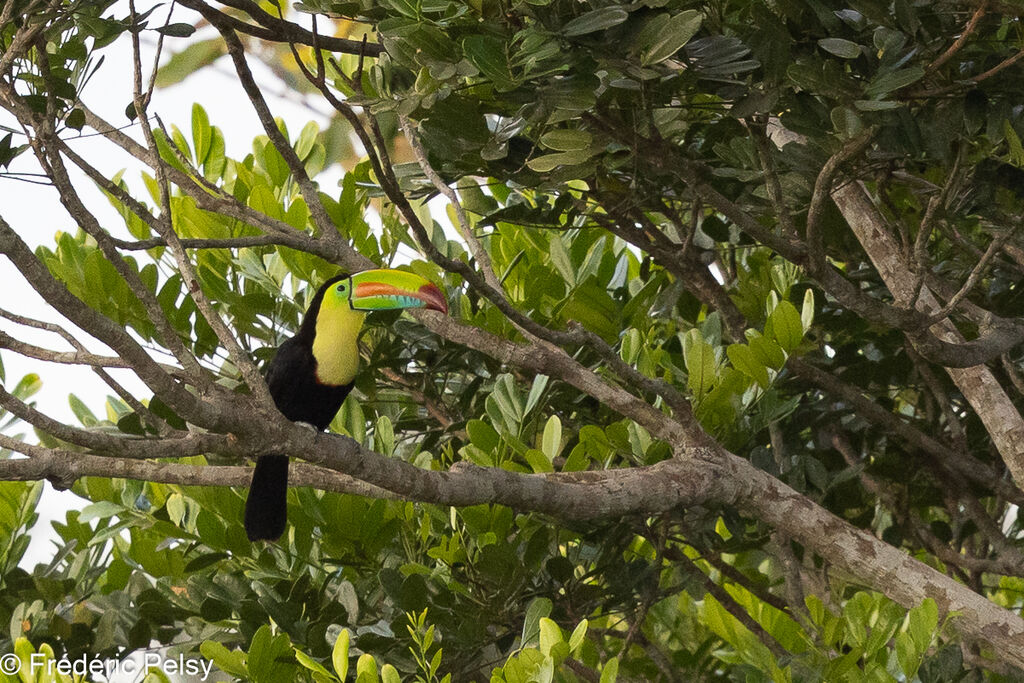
{"x": 430, "y": 294}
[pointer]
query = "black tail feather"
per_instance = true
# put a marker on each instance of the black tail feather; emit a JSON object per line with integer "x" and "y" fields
{"x": 266, "y": 508}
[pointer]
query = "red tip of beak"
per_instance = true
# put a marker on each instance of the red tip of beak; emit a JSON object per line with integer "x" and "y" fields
{"x": 435, "y": 299}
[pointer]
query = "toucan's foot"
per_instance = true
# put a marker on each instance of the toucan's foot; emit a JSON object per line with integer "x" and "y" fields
{"x": 306, "y": 425}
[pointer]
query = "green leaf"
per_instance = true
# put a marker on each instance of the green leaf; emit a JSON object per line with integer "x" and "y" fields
{"x": 906, "y": 654}
{"x": 101, "y": 510}
{"x": 632, "y": 345}
{"x": 384, "y": 435}
{"x": 339, "y": 655}
{"x": 560, "y": 259}
{"x": 578, "y": 634}
{"x": 549, "y": 162}
{"x": 272, "y": 161}
{"x": 307, "y": 138}
{"x": 483, "y": 435}
{"x": 550, "y": 635}
{"x": 765, "y": 350}
{"x": 1013, "y": 142}
{"x": 894, "y": 80}
{"x": 366, "y": 669}
{"x": 700, "y": 364}
{"x": 488, "y": 54}
{"x": 539, "y": 608}
{"x": 595, "y": 20}
{"x": 313, "y": 665}
{"x": 230, "y": 662}
{"x": 155, "y": 675}
{"x": 507, "y": 399}
{"x": 204, "y": 561}
{"x": 191, "y": 59}
{"x": 179, "y": 30}
{"x": 24, "y": 650}
{"x": 846, "y": 49}
{"x": 807, "y": 310}
{"x": 82, "y": 412}
{"x": 662, "y": 36}
{"x": 923, "y": 623}
{"x": 846, "y": 122}
{"x": 201, "y": 132}
{"x": 27, "y": 387}
{"x": 538, "y": 461}
{"x": 743, "y": 359}
{"x": 610, "y": 670}
{"x": 551, "y": 442}
{"x": 75, "y": 119}
{"x": 540, "y": 383}
{"x": 566, "y": 140}
{"x": 876, "y": 105}
{"x": 786, "y": 325}
{"x": 266, "y": 659}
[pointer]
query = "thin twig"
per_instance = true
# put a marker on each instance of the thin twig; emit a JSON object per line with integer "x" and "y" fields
{"x": 823, "y": 192}
{"x": 972, "y": 279}
{"x": 483, "y": 259}
{"x": 273, "y": 29}
{"x": 1012, "y": 373}
{"x": 765, "y": 153}
{"x": 151, "y": 419}
{"x": 960, "y": 40}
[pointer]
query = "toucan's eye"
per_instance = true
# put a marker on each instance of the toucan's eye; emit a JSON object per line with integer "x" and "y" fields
{"x": 343, "y": 288}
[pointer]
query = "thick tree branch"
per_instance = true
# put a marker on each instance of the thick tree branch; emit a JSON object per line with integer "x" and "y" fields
{"x": 67, "y": 467}
{"x": 647, "y": 490}
{"x": 881, "y": 566}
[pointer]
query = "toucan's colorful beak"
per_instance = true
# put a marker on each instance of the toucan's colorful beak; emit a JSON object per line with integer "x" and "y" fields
{"x": 385, "y": 289}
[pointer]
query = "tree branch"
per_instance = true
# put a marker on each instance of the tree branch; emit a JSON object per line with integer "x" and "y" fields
{"x": 483, "y": 259}
{"x": 274, "y": 29}
{"x": 67, "y": 467}
{"x": 114, "y": 336}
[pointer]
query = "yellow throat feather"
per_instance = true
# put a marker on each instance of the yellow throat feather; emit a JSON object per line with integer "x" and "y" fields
{"x": 334, "y": 346}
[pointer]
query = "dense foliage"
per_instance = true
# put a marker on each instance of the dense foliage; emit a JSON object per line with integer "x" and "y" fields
{"x": 627, "y": 188}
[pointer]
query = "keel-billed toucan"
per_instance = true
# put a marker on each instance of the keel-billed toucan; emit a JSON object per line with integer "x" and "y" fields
{"x": 312, "y": 373}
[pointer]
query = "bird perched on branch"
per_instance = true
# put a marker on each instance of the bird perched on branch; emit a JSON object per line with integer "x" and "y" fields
{"x": 312, "y": 373}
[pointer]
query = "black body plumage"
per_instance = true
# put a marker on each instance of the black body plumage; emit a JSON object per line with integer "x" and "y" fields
{"x": 291, "y": 378}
